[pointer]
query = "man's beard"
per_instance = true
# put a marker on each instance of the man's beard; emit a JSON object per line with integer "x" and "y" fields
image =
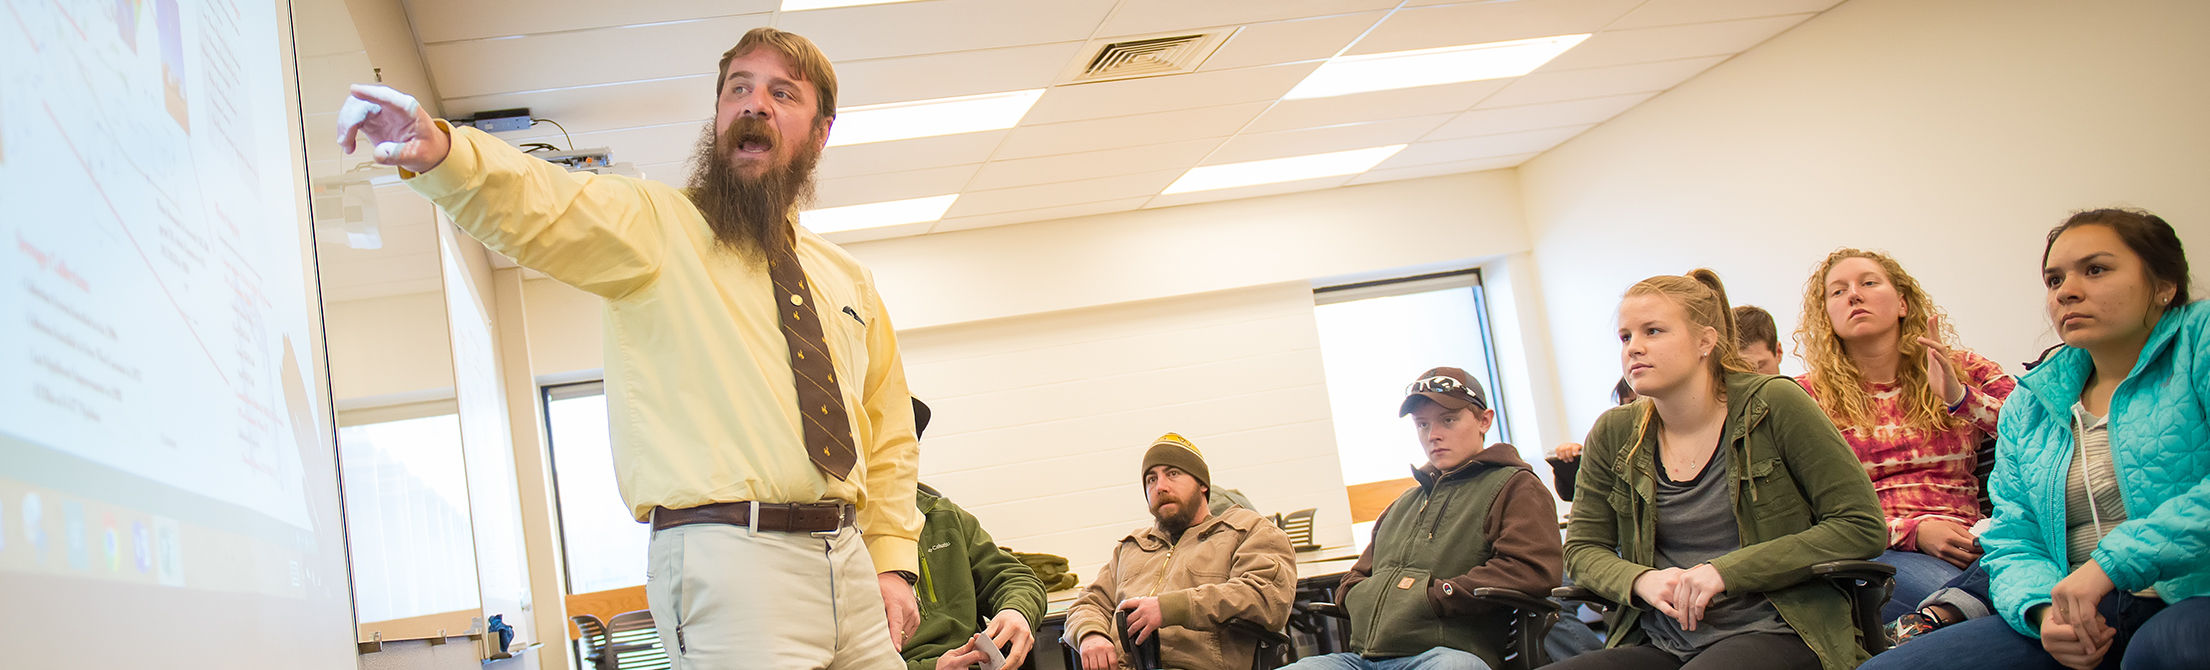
{"x": 749, "y": 214}
{"x": 1180, "y": 520}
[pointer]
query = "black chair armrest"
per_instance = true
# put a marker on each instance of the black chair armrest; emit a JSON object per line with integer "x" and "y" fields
{"x": 1581, "y": 594}
{"x": 1261, "y": 633}
{"x": 1863, "y": 571}
{"x": 1324, "y": 609}
{"x": 1514, "y": 599}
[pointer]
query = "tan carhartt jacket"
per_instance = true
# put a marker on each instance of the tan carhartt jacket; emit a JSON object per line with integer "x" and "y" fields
{"x": 1235, "y": 565}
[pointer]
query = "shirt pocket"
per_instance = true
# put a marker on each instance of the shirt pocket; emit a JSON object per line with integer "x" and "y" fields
{"x": 1780, "y": 505}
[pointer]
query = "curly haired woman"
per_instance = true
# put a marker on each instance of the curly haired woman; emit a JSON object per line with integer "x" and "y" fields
{"x": 1912, "y": 405}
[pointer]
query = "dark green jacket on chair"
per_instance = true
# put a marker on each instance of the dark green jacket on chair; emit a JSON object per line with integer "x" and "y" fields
{"x": 1800, "y": 496}
{"x": 961, "y": 567}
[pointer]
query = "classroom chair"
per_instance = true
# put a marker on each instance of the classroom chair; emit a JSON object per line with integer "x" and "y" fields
{"x": 629, "y": 642}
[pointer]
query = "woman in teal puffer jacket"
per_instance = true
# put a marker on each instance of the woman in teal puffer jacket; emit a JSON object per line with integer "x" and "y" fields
{"x": 2100, "y": 549}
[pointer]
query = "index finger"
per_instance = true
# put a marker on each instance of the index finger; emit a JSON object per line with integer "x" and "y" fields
{"x": 387, "y": 96}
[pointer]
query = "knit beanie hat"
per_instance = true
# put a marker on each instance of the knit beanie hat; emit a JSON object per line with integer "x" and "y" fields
{"x": 1175, "y": 450}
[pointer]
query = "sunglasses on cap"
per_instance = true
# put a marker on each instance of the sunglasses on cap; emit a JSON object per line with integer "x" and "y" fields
{"x": 1438, "y": 384}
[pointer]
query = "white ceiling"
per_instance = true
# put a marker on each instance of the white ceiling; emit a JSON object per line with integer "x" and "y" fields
{"x": 637, "y": 77}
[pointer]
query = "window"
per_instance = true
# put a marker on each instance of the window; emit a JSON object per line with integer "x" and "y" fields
{"x": 406, "y": 506}
{"x": 603, "y": 544}
{"x": 1375, "y": 338}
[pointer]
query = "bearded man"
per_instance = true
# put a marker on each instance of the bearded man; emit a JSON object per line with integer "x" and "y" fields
{"x": 1188, "y": 576}
{"x": 759, "y": 410}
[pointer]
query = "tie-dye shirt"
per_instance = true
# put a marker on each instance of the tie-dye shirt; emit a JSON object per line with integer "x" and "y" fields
{"x": 1923, "y": 474}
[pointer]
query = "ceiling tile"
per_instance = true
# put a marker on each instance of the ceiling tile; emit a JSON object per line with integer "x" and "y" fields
{"x": 1308, "y": 141}
{"x": 976, "y": 203}
{"x": 1045, "y": 214}
{"x": 481, "y": 67}
{"x": 438, "y": 22}
{"x": 949, "y": 75}
{"x": 881, "y": 233}
{"x": 1092, "y": 164}
{"x": 1536, "y": 117}
{"x": 604, "y": 107}
{"x": 1375, "y": 106}
{"x": 925, "y": 152}
{"x": 1160, "y": 94}
{"x": 1599, "y": 82}
{"x": 1486, "y": 146}
{"x": 1433, "y": 169}
{"x": 1240, "y": 192}
{"x": 1678, "y": 12}
{"x": 914, "y": 28}
{"x": 666, "y": 143}
{"x": 1290, "y": 41}
{"x": 1141, "y": 17}
{"x": 1481, "y": 23}
{"x": 1623, "y": 47}
{"x": 892, "y": 186}
{"x": 1134, "y": 130}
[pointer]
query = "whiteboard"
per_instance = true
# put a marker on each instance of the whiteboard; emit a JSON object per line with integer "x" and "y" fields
{"x": 166, "y": 468}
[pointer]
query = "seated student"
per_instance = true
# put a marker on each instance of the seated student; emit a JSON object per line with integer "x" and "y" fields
{"x": 1479, "y": 517}
{"x": 2102, "y": 492}
{"x": 1760, "y": 342}
{"x": 961, "y": 569}
{"x": 1703, "y": 506}
{"x": 1186, "y": 576}
{"x": 1913, "y": 406}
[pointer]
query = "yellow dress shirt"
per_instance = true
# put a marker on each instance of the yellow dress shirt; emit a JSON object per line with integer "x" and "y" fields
{"x": 700, "y": 396}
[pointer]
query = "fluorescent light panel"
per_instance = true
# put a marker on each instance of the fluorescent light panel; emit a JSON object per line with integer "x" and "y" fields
{"x": 1427, "y": 67}
{"x": 876, "y": 214}
{"x": 925, "y": 118}
{"x": 1281, "y": 169}
{"x": 802, "y": 5}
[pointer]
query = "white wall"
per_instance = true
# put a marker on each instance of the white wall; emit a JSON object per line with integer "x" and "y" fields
{"x": 1951, "y": 133}
{"x": 1100, "y": 260}
{"x": 1041, "y": 421}
{"x": 388, "y": 346}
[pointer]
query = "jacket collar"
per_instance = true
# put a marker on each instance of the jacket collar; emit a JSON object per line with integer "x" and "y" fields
{"x": 1496, "y": 455}
{"x": 2057, "y": 382}
{"x": 926, "y": 498}
{"x": 1155, "y": 538}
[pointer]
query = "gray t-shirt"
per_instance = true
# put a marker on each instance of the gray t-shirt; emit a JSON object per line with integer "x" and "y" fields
{"x": 1695, "y": 523}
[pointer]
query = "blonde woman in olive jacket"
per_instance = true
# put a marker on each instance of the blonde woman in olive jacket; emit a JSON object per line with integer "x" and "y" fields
{"x": 1702, "y": 507}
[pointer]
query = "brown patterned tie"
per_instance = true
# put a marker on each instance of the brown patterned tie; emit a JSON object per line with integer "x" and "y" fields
{"x": 827, "y": 429}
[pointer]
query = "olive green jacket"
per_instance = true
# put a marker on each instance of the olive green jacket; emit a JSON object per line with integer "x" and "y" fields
{"x": 1800, "y": 496}
{"x": 966, "y": 579}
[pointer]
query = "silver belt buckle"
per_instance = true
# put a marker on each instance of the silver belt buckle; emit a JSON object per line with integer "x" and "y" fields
{"x": 839, "y": 530}
{"x": 752, "y": 520}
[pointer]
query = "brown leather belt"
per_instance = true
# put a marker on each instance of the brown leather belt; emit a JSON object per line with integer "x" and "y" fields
{"x": 779, "y": 517}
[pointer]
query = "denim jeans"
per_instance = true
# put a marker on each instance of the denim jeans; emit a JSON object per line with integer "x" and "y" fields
{"x": 1916, "y": 575}
{"x": 2151, "y": 636}
{"x": 1439, "y": 658}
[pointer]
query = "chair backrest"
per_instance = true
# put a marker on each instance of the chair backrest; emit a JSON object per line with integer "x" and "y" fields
{"x": 634, "y": 643}
{"x": 593, "y": 634}
{"x": 1298, "y": 525}
{"x": 1984, "y": 467}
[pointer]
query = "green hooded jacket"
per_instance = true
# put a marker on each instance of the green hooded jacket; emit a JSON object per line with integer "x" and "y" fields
{"x": 961, "y": 565}
{"x": 1800, "y": 496}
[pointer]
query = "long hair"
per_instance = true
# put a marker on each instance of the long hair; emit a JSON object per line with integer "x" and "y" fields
{"x": 1840, "y": 386}
{"x": 1703, "y": 298}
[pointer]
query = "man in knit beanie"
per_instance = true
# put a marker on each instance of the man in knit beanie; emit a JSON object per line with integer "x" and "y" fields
{"x": 1187, "y": 576}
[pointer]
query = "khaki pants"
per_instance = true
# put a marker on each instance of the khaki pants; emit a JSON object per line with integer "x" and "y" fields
{"x": 724, "y": 598}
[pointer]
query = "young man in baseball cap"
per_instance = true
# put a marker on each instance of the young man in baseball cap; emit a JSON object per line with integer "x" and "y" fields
{"x": 1479, "y": 517}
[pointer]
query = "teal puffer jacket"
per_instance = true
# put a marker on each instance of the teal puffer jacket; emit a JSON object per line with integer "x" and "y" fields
{"x": 2160, "y": 440}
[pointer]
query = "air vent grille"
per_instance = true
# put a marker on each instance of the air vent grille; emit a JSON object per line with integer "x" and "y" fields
{"x": 1149, "y": 57}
